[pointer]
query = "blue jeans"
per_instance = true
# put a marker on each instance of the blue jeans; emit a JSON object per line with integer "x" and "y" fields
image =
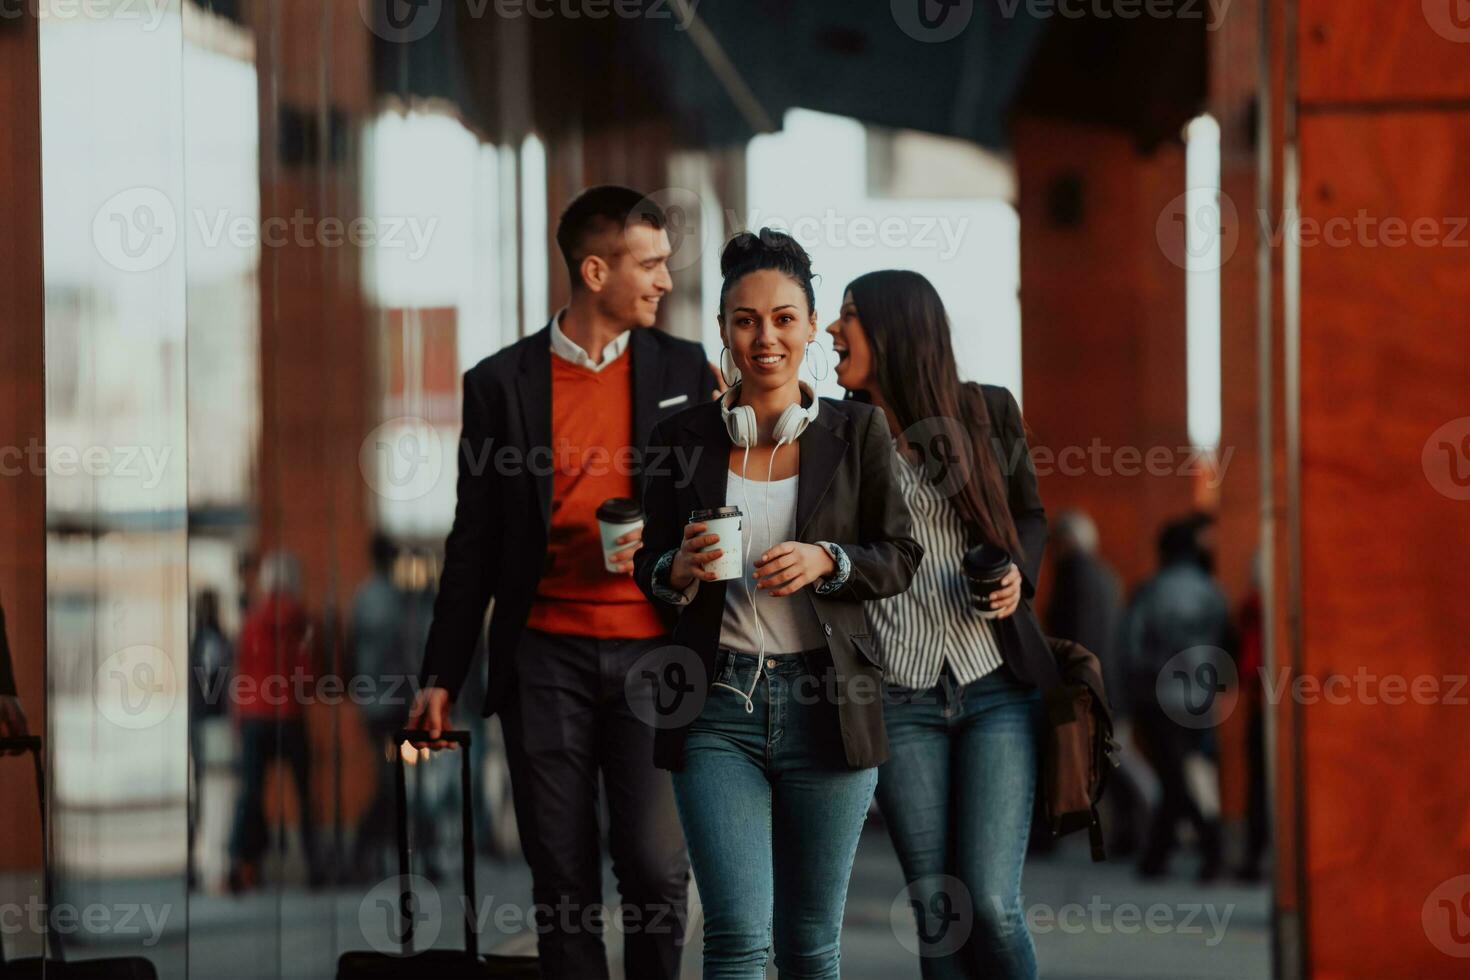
{"x": 957, "y": 794}
{"x": 772, "y": 816}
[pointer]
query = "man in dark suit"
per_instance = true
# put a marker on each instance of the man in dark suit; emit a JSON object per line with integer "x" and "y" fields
{"x": 554, "y": 425}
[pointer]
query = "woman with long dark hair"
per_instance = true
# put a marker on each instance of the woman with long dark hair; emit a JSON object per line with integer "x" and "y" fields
{"x": 961, "y": 653}
{"x": 774, "y": 772}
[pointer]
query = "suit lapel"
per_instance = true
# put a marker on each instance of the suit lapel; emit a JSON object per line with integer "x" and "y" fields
{"x": 711, "y": 469}
{"x": 822, "y": 449}
{"x": 534, "y": 390}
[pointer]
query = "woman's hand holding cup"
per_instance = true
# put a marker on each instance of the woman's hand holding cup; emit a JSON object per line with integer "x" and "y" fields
{"x": 1002, "y": 601}
{"x": 690, "y": 562}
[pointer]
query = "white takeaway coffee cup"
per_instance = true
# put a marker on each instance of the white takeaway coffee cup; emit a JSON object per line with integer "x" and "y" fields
{"x": 616, "y": 517}
{"x": 726, "y": 522}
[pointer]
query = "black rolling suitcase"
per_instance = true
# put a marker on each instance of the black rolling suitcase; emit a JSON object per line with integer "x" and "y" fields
{"x": 448, "y": 964}
{"x": 57, "y": 967}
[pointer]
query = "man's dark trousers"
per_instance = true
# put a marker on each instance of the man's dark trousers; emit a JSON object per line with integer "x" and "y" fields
{"x": 569, "y": 720}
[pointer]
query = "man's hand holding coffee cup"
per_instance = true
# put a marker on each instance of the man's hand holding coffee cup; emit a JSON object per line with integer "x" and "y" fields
{"x": 619, "y": 523}
{"x": 430, "y": 713}
{"x": 690, "y": 562}
{"x": 999, "y": 601}
{"x": 622, "y": 560}
{"x": 792, "y": 565}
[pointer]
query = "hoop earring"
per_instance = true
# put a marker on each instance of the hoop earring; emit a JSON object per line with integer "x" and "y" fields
{"x": 728, "y": 383}
{"x": 826, "y": 365}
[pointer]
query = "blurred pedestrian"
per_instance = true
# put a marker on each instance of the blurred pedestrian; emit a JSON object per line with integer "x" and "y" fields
{"x": 382, "y": 655}
{"x": 1086, "y": 597}
{"x": 1087, "y": 607}
{"x": 1180, "y": 610}
{"x": 210, "y": 659}
{"x": 279, "y": 649}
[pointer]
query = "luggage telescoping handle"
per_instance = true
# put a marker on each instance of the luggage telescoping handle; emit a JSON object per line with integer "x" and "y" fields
{"x": 467, "y": 832}
{"x": 32, "y": 745}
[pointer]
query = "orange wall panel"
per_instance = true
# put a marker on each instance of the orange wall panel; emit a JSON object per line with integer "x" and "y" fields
{"x": 1384, "y": 50}
{"x": 1385, "y": 352}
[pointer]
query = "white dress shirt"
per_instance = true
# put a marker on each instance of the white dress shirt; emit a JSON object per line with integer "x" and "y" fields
{"x": 568, "y": 350}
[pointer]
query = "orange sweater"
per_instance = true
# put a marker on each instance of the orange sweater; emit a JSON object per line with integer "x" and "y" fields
{"x": 591, "y": 430}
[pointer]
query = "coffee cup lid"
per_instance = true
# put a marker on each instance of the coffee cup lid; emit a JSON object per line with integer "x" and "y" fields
{"x": 714, "y": 513}
{"x": 619, "y": 510}
{"x": 985, "y": 560}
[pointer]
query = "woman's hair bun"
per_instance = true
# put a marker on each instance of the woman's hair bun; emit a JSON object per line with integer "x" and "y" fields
{"x": 760, "y": 249}
{"x": 750, "y": 252}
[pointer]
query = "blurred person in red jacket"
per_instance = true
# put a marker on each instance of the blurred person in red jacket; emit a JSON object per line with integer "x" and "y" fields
{"x": 275, "y": 666}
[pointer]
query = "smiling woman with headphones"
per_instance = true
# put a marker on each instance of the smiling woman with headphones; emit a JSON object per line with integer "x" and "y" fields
{"x": 775, "y": 758}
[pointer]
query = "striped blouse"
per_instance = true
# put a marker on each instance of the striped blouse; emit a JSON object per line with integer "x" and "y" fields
{"x": 932, "y": 622}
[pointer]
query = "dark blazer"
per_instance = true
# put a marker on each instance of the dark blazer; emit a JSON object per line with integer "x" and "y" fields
{"x": 497, "y": 546}
{"x": 846, "y": 494}
{"x": 1022, "y": 642}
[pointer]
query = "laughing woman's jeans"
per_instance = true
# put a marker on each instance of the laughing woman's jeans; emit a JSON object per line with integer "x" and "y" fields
{"x": 772, "y": 816}
{"x": 957, "y": 793}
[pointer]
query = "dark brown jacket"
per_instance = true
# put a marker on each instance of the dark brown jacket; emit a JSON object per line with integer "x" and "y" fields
{"x": 846, "y": 494}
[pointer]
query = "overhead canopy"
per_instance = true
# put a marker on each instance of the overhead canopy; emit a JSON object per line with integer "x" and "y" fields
{"x": 724, "y": 70}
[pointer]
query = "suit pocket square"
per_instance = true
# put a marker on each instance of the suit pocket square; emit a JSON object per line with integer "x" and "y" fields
{"x": 676, "y": 400}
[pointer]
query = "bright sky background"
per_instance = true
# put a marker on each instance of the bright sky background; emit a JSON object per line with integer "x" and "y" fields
{"x": 812, "y": 177}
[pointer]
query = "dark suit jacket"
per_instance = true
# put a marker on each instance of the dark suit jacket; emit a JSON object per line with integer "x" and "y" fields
{"x": 846, "y": 494}
{"x": 497, "y": 546}
{"x": 1022, "y": 642}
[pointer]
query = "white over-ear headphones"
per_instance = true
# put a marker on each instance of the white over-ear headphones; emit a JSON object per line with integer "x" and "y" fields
{"x": 741, "y": 424}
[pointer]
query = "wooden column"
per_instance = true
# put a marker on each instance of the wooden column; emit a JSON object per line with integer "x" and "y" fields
{"x": 22, "y": 416}
{"x": 1103, "y": 339}
{"x": 1375, "y": 102}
